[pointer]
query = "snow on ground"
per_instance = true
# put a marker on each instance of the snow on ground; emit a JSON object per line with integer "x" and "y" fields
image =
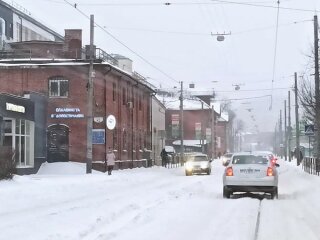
{"x": 62, "y": 202}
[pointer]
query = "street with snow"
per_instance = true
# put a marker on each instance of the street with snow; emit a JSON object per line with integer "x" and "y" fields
{"x": 62, "y": 202}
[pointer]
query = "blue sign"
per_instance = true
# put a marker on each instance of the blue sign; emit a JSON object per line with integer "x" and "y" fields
{"x": 309, "y": 130}
{"x": 98, "y": 136}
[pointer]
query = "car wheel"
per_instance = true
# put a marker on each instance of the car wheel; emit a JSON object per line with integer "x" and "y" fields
{"x": 188, "y": 173}
{"x": 226, "y": 193}
{"x": 208, "y": 171}
{"x": 274, "y": 194}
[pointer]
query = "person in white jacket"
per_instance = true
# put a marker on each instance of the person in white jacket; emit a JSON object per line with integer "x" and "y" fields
{"x": 111, "y": 158}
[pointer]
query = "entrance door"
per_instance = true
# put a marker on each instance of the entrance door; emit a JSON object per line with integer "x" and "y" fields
{"x": 58, "y": 143}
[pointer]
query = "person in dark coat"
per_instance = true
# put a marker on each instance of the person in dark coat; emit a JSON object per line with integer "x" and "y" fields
{"x": 164, "y": 157}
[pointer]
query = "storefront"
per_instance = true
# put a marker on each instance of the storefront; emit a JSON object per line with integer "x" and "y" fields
{"x": 17, "y": 129}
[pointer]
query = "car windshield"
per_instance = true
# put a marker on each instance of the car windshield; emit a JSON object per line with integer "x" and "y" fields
{"x": 249, "y": 159}
{"x": 199, "y": 158}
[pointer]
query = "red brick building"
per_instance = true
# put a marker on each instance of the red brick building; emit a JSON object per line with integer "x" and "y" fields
{"x": 200, "y": 126}
{"x": 58, "y": 71}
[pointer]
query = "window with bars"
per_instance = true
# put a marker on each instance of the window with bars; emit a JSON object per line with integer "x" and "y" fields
{"x": 58, "y": 87}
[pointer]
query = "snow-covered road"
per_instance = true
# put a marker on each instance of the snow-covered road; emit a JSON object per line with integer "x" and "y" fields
{"x": 152, "y": 204}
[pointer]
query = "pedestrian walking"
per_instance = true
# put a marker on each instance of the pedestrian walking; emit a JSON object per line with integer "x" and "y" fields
{"x": 111, "y": 158}
{"x": 164, "y": 157}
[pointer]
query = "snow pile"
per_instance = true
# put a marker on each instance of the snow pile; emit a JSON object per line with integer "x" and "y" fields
{"x": 63, "y": 168}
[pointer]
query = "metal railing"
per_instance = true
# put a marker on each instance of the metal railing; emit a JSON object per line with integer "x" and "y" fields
{"x": 105, "y": 57}
{"x": 311, "y": 165}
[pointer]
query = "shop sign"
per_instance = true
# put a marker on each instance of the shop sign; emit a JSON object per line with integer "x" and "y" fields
{"x": 67, "y": 113}
{"x": 98, "y": 136}
{"x": 15, "y": 108}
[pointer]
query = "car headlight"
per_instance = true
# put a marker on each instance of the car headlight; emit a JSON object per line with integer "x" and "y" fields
{"x": 204, "y": 165}
{"x": 189, "y": 166}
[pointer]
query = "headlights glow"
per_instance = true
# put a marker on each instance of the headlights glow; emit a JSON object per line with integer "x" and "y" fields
{"x": 189, "y": 166}
{"x": 204, "y": 165}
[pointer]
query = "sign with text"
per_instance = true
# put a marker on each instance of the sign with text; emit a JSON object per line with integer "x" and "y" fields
{"x": 67, "y": 113}
{"x": 309, "y": 130}
{"x": 98, "y": 136}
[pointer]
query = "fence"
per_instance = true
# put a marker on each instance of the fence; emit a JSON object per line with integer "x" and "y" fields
{"x": 311, "y": 165}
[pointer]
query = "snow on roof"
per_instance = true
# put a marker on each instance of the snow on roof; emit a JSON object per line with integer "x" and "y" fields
{"x": 224, "y": 117}
{"x": 189, "y": 143}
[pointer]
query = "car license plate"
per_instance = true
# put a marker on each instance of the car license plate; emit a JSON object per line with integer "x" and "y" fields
{"x": 249, "y": 170}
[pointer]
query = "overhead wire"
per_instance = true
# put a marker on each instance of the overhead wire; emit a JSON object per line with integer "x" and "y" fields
{"x": 75, "y": 6}
{"x": 212, "y": 2}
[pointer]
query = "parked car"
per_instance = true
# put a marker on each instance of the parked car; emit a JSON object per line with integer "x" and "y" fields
{"x": 226, "y": 159}
{"x": 171, "y": 153}
{"x": 198, "y": 163}
{"x": 250, "y": 172}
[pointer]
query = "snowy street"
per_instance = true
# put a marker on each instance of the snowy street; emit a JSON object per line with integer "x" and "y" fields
{"x": 61, "y": 202}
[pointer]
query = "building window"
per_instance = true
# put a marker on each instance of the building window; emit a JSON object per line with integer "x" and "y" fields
{"x": 19, "y": 135}
{"x": 140, "y": 105}
{"x": 114, "y": 92}
{"x": 115, "y": 138}
{"x": 58, "y": 87}
{"x": 124, "y": 97}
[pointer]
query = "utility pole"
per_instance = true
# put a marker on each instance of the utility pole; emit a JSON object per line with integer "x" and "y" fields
{"x": 316, "y": 84}
{"x": 280, "y": 134}
{"x": 181, "y": 125}
{"x": 297, "y": 120}
{"x": 285, "y": 131}
{"x": 90, "y": 101}
{"x": 213, "y": 135}
{"x": 289, "y": 127}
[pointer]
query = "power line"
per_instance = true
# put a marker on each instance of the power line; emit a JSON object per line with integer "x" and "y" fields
{"x": 253, "y": 90}
{"x": 120, "y": 42}
{"x": 236, "y": 99}
{"x": 213, "y": 2}
{"x": 203, "y": 33}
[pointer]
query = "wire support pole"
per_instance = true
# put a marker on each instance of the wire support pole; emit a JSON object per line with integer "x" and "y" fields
{"x": 181, "y": 125}
{"x": 297, "y": 119}
{"x": 316, "y": 84}
{"x": 90, "y": 101}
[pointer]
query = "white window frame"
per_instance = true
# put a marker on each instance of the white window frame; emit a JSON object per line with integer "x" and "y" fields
{"x": 59, "y": 81}
{"x": 13, "y": 134}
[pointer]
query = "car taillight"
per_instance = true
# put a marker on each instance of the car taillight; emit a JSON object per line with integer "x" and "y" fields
{"x": 270, "y": 172}
{"x": 229, "y": 171}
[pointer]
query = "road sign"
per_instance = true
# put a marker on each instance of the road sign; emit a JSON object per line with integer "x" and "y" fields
{"x": 309, "y": 130}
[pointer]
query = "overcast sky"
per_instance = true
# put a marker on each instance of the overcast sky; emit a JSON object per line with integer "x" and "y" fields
{"x": 177, "y": 39}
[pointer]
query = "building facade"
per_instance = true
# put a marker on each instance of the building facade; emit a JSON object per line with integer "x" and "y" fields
{"x": 118, "y": 97}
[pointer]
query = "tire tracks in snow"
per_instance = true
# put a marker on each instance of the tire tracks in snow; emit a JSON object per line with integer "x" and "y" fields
{"x": 256, "y": 231}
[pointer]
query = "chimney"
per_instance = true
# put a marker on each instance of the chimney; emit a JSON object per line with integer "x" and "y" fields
{"x": 73, "y": 43}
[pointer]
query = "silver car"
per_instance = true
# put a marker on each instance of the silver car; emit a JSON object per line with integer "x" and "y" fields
{"x": 198, "y": 163}
{"x": 249, "y": 172}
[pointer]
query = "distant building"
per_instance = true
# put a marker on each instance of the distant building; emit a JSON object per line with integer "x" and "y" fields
{"x": 17, "y": 24}
{"x": 200, "y": 126}
{"x": 158, "y": 129}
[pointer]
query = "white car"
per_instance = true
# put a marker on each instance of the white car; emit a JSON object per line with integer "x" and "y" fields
{"x": 249, "y": 172}
{"x": 198, "y": 163}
